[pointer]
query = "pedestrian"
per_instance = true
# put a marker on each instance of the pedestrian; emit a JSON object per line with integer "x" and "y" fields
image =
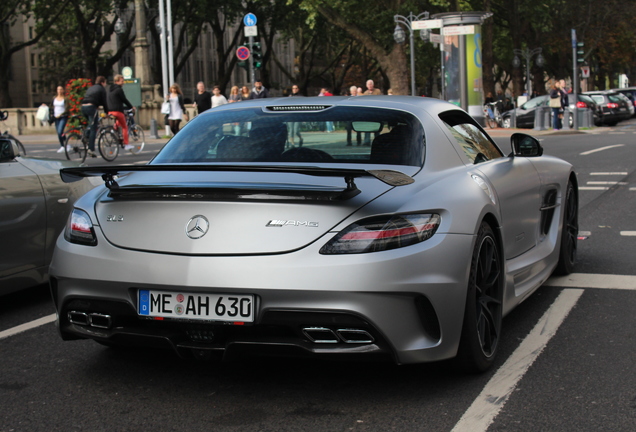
{"x": 245, "y": 93}
{"x": 235, "y": 95}
{"x": 294, "y": 127}
{"x": 259, "y": 92}
{"x": 94, "y": 97}
{"x": 60, "y": 115}
{"x": 353, "y": 91}
{"x": 371, "y": 90}
{"x": 217, "y": 99}
{"x": 177, "y": 109}
{"x": 555, "y": 104}
{"x": 489, "y": 98}
{"x": 203, "y": 98}
{"x": 328, "y": 124}
{"x": 117, "y": 103}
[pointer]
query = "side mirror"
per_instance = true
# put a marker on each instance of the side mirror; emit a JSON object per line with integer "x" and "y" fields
{"x": 525, "y": 145}
{"x": 8, "y": 150}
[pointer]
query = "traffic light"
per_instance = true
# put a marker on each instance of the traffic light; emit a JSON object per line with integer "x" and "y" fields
{"x": 244, "y": 65}
{"x": 257, "y": 54}
{"x": 580, "y": 52}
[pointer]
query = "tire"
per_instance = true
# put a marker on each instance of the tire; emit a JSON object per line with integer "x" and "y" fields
{"x": 78, "y": 149}
{"x": 571, "y": 121}
{"x": 108, "y": 144}
{"x": 569, "y": 233}
{"x": 492, "y": 123}
{"x": 507, "y": 123}
{"x": 136, "y": 139}
{"x": 481, "y": 330}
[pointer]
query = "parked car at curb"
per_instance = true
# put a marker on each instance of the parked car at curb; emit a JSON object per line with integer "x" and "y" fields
{"x": 630, "y": 93}
{"x": 525, "y": 114}
{"x": 613, "y": 106}
{"x": 34, "y": 206}
{"x": 411, "y": 244}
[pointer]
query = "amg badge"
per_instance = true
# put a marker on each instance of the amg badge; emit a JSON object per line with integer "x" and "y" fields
{"x": 281, "y": 223}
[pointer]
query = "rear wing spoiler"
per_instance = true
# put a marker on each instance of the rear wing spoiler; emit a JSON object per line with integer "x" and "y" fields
{"x": 110, "y": 173}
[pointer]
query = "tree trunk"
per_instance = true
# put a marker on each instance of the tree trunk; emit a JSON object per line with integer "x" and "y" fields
{"x": 488, "y": 62}
{"x": 394, "y": 62}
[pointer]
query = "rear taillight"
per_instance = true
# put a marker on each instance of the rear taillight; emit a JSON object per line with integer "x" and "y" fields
{"x": 580, "y": 104}
{"x": 383, "y": 233}
{"x": 79, "y": 229}
{"x": 612, "y": 105}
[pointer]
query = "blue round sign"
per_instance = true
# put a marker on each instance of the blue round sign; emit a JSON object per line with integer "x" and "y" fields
{"x": 249, "y": 20}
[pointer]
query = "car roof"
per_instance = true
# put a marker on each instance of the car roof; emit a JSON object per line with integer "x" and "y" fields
{"x": 413, "y": 104}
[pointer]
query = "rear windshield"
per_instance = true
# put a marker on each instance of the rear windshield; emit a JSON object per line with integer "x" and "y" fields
{"x": 333, "y": 135}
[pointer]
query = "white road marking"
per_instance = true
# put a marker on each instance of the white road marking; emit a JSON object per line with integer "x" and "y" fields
{"x": 610, "y": 173}
{"x": 27, "y": 326}
{"x": 601, "y": 149}
{"x": 585, "y": 233}
{"x": 588, "y": 280}
{"x": 628, "y": 233}
{"x": 493, "y": 397}
{"x": 607, "y": 183}
{"x": 593, "y": 188}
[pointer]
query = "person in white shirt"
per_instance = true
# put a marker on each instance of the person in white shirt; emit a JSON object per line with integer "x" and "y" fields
{"x": 217, "y": 98}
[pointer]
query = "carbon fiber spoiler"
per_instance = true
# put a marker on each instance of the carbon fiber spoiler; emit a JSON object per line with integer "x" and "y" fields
{"x": 108, "y": 173}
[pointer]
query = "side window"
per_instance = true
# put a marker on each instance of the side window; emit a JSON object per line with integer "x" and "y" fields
{"x": 476, "y": 146}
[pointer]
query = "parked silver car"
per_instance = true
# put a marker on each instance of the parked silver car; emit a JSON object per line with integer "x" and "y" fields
{"x": 34, "y": 207}
{"x": 393, "y": 226}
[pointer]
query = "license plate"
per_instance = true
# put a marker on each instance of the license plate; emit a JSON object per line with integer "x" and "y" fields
{"x": 180, "y": 305}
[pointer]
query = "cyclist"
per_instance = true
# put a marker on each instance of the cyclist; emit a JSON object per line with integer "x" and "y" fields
{"x": 117, "y": 103}
{"x": 94, "y": 98}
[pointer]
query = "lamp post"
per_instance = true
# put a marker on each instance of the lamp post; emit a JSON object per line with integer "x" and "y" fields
{"x": 527, "y": 53}
{"x": 400, "y": 37}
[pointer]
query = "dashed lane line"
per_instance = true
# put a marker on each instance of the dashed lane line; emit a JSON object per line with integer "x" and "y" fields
{"x": 493, "y": 397}
{"x": 601, "y": 149}
{"x": 27, "y": 326}
{"x": 589, "y": 280}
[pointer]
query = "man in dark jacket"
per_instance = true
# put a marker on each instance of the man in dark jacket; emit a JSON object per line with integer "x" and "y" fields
{"x": 94, "y": 98}
{"x": 117, "y": 103}
{"x": 259, "y": 91}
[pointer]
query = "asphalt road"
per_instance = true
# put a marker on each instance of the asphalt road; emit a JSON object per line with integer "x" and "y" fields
{"x": 567, "y": 359}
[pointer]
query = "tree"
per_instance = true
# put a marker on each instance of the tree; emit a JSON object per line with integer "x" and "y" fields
{"x": 85, "y": 27}
{"x": 11, "y": 12}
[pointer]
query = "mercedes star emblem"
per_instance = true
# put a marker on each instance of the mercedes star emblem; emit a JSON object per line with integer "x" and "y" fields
{"x": 197, "y": 227}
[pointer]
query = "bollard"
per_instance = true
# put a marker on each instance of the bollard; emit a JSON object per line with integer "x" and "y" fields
{"x": 567, "y": 117}
{"x": 153, "y": 129}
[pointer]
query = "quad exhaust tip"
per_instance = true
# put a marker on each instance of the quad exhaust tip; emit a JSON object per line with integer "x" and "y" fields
{"x": 324, "y": 335}
{"x": 96, "y": 320}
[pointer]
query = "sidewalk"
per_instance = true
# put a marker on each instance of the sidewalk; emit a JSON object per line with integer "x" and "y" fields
{"x": 52, "y": 139}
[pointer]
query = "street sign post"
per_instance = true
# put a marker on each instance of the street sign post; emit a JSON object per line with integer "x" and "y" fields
{"x": 250, "y": 23}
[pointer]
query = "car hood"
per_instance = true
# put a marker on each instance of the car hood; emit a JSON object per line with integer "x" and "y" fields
{"x": 232, "y": 213}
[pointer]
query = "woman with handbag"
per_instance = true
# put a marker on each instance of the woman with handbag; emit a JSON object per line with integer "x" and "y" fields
{"x": 555, "y": 104}
{"x": 60, "y": 115}
{"x": 177, "y": 108}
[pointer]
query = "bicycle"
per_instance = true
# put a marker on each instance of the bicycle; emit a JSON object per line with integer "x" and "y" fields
{"x": 76, "y": 147}
{"x": 3, "y": 116}
{"x": 493, "y": 115}
{"x": 110, "y": 139}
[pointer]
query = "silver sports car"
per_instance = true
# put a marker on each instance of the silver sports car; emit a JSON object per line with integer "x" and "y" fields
{"x": 34, "y": 207}
{"x": 343, "y": 226}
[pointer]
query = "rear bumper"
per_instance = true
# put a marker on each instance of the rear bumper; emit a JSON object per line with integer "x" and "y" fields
{"x": 410, "y": 301}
